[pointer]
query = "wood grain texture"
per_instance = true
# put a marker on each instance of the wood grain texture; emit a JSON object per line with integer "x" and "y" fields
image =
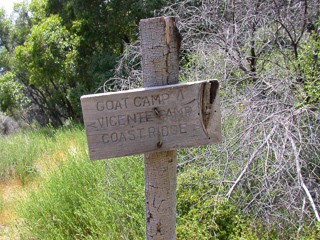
{"x": 160, "y": 41}
{"x": 152, "y": 119}
{"x": 160, "y": 191}
{"x": 160, "y": 66}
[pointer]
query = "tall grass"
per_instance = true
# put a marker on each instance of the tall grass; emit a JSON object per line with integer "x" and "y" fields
{"x": 18, "y": 153}
{"x": 82, "y": 199}
{"x": 22, "y": 153}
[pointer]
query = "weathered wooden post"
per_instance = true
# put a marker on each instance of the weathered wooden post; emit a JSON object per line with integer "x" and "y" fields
{"x": 155, "y": 120}
{"x": 160, "y": 43}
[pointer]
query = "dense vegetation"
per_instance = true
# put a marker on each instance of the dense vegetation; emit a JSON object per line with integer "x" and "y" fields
{"x": 67, "y": 196}
{"x": 261, "y": 182}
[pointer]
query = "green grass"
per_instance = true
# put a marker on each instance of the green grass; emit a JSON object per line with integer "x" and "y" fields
{"x": 18, "y": 153}
{"x": 78, "y": 200}
{"x": 22, "y": 153}
{"x": 71, "y": 196}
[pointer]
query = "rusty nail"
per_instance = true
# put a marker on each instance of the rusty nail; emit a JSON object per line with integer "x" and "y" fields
{"x": 157, "y": 112}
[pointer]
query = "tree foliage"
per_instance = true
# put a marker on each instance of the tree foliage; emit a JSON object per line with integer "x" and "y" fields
{"x": 10, "y": 93}
{"x": 64, "y": 49}
{"x": 48, "y": 60}
{"x": 5, "y": 26}
{"x": 310, "y": 67}
{"x": 4, "y": 30}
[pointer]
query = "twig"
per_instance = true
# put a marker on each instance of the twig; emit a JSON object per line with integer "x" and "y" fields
{"x": 250, "y": 161}
{"x": 303, "y": 185}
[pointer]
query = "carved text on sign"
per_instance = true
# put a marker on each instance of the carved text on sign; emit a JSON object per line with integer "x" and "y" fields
{"x": 152, "y": 119}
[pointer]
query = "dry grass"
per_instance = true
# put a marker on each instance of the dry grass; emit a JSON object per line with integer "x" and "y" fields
{"x": 12, "y": 188}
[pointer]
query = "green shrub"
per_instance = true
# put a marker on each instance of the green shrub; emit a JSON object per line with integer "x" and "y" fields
{"x": 203, "y": 214}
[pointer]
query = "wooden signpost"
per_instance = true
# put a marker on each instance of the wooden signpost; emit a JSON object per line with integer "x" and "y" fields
{"x": 151, "y": 119}
{"x": 155, "y": 120}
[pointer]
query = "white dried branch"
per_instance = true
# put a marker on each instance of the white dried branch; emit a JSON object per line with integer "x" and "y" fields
{"x": 254, "y": 154}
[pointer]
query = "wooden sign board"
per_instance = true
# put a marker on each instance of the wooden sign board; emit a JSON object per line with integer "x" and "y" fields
{"x": 152, "y": 119}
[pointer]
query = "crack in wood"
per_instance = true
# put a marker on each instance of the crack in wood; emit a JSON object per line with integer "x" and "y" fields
{"x": 168, "y": 22}
{"x": 159, "y": 227}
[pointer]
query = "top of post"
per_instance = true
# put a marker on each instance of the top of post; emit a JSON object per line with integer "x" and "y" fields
{"x": 160, "y": 44}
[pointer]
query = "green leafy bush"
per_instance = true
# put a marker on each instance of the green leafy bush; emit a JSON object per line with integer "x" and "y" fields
{"x": 205, "y": 214}
{"x": 10, "y": 93}
{"x": 309, "y": 66}
{"x": 202, "y": 213}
